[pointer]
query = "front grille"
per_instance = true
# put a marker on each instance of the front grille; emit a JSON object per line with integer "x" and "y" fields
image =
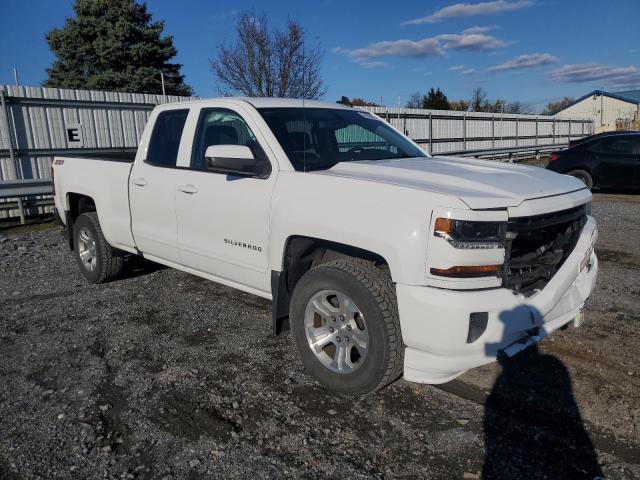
{"x": 537, "y": 247}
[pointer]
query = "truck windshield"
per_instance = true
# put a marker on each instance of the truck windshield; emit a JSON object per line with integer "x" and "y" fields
{"x": 319, "y": 138}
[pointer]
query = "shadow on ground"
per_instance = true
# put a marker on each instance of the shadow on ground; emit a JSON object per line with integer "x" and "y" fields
{"x": 532, "y": 425}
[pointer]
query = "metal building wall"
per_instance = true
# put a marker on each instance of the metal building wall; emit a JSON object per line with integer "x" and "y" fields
{"x": 603, "y": 110}
{"x": 34, "y": 122}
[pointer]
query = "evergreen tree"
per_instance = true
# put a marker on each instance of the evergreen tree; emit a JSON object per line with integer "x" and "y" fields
{"x": 436, "y": 100}
{"x": 114, "y": 45}
{"x": 433, "y": 100}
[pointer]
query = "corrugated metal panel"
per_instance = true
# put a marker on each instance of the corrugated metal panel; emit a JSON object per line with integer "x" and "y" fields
{"x": 43, "y": 126}
{"x": 31, "y": 124}
{"x": 117, "y": 120}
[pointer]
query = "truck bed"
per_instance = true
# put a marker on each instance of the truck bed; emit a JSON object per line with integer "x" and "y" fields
{"x": 105, "y": 179}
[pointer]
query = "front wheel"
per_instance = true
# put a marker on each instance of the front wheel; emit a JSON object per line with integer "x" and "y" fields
{"x": 345, "y": 324}
{"x": 98, "y": 261}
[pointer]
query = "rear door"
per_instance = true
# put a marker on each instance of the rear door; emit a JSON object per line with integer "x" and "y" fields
{"x": 615, "y": 162}
{"x": 152, "y": 188}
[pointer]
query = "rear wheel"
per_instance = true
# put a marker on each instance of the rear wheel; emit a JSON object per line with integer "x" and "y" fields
{"x": 345, "y": 325}
{"x": 98, "y": 261}
{"x": 584, "y": 176}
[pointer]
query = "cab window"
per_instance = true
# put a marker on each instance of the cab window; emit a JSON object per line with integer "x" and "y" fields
{"x": 165, "y": 138}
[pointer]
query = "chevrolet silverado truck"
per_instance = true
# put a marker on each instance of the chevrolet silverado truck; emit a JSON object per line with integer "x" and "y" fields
{"x": 381, "y": 259}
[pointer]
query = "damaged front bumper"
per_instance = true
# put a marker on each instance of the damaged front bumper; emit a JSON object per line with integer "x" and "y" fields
{"x": 436, "y": 322}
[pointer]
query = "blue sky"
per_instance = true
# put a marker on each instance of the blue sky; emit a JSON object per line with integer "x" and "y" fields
{"x": 534, "y": 51}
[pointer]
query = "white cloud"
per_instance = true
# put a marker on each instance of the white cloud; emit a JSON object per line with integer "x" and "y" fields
{"x": 525, "y": 61}
{"x": 470, "y": 9}
{"x": 462, "y": 70}
{"x": 619, "y": 77}
{"x": 430, "y": 47}
{"x": 224, "y": 15}
{"x": 472, "y": 41}
{"x": 372, "y": 64}
{"x": 478, "y": 29}
{"x": 427, "y": 47}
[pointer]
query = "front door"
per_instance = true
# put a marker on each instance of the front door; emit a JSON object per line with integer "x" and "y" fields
{"x": 152, "y": 189}
{"x": 223, "y": 220}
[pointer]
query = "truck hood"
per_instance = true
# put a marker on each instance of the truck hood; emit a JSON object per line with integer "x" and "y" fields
{"x": 480, "y": 184}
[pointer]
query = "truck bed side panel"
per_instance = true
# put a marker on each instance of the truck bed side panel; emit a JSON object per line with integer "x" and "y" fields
{"x": 107, "y": 183}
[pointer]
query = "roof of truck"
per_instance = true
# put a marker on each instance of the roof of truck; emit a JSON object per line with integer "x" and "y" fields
{"x": 266, "y": 102}
{"x": 261, "y": 102}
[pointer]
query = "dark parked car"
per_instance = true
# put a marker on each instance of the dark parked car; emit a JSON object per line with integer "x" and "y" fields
{"x": 609, "y": 160}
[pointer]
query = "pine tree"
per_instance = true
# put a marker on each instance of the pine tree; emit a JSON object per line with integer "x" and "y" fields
{"x": 114, "y": 45}
{"x": 436, "y": 100}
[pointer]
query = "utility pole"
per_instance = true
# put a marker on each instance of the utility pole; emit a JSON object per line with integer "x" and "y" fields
{"x": 163, "y": 91}
{"x": 602, "y": 106}
{"x": 15, "y": 76}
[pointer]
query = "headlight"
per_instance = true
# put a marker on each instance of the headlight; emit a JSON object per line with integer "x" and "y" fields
{"x": 470, "y": 234}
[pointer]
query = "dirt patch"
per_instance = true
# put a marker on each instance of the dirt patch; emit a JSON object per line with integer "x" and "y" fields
{"x": 179, "y": 413}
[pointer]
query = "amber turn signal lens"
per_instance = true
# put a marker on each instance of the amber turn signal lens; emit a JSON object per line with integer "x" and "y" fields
{"x": 444, "y": 225}
{"x": 468, "y": 271}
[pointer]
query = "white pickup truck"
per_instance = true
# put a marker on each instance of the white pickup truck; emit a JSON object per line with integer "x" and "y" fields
{"x": 381, "y": 259}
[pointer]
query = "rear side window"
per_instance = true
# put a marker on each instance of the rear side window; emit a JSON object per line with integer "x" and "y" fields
{"x": 165, "y": 138}
{"x": 620, "y": 146}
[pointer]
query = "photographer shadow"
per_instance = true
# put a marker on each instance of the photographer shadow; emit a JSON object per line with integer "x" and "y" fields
{"x": 532, "y": 425}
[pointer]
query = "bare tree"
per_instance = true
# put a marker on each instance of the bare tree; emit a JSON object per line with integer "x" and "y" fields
{"x": 554, "y": 107}
{"x": 479, "y": 102}
{"x": 361, "y": 102}
{"x": 415, "y": 100}
{"x": 459, "y": 105}
{"x": 518, "y": 107}
{"x": 264, "y": 63}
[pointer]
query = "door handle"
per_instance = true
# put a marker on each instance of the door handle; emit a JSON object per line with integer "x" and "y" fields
{"x": 141, "y": 182}
{"x": 188, "y": 188}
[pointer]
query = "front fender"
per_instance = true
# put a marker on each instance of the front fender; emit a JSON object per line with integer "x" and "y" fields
{"x": 388, "y": 220}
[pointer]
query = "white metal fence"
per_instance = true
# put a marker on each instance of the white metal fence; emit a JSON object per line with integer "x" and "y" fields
{"x": 37, "y": 123}
{"x": 444, "y": 131}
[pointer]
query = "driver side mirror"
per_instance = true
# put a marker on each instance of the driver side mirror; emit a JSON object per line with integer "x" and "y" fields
{"x": 233, "y": 160}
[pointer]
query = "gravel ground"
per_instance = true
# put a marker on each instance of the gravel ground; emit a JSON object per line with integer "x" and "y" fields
{"x": 165, "y": 375}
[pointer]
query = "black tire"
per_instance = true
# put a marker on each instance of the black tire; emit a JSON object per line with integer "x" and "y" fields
{"x": 584, "y": 176}
{"x": 373, "y": 292}
{"x": 108, "y": 261}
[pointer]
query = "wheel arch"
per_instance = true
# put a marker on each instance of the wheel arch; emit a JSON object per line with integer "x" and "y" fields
{"x": 584, "y": 168}
{"x": 77, "y": 204}
{"x": 299, "y": 255}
